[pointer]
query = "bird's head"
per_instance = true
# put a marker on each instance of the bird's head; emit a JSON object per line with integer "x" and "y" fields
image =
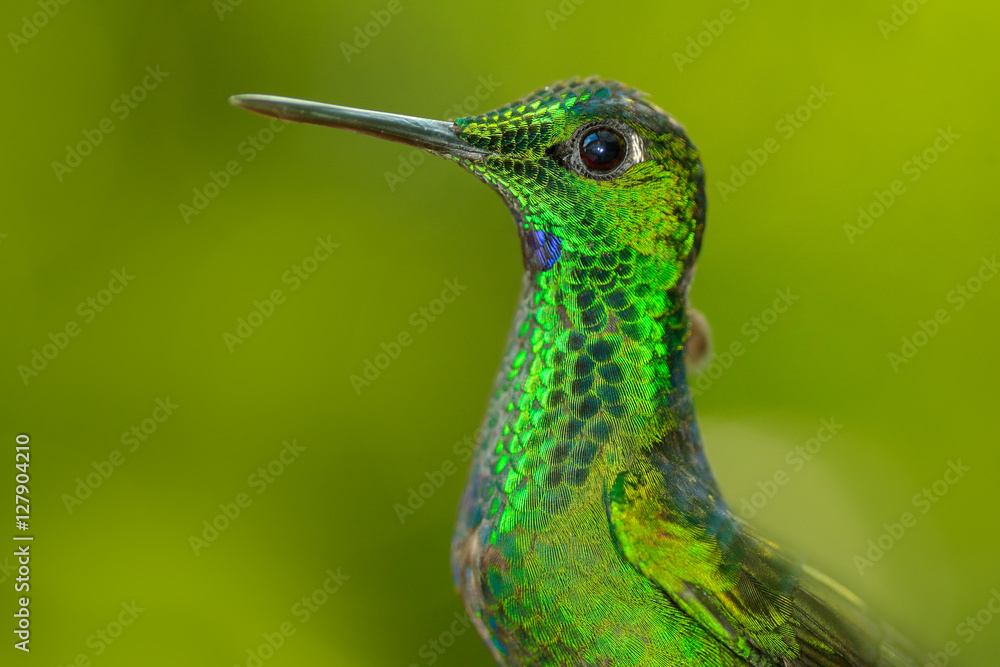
{"x": 588, "y": 168}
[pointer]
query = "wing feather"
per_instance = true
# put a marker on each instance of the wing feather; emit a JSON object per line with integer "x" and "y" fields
{"x": 767, "y": 608}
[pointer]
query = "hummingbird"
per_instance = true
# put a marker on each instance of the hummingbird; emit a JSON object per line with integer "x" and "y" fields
{"x": 592, "y": 530}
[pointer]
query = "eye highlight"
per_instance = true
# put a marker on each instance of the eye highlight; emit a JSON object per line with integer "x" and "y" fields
{"x": 603, "y": 149}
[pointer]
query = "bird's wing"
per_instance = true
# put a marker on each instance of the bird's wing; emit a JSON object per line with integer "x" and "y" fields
{"x": 765, "y": 607}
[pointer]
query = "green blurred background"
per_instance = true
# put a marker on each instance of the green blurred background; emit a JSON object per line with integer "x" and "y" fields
{"x": 333, "y": 507}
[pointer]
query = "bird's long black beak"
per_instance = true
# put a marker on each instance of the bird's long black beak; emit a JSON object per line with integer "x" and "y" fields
{"x": 436, "y": 136}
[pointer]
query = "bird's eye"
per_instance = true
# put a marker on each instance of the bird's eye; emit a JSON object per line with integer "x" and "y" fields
{"x": 602, "y": 150}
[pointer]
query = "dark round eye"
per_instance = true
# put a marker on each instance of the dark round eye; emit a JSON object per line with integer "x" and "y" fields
{"x": 602, "y": 150}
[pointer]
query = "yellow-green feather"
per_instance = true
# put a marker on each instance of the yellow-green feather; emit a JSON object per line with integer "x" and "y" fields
{"x": 592, "y": 531}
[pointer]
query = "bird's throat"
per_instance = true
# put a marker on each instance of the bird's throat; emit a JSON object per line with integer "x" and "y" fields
{"x": 595, "y": 367}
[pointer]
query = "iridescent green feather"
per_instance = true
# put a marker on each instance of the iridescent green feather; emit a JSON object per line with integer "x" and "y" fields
{"x": 592, "y": 532}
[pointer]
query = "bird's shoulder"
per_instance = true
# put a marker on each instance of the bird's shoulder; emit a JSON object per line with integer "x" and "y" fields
{"x": 765, "y": 606}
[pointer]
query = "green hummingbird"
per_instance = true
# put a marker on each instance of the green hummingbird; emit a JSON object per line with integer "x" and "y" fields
{"x": 592, "y": 530}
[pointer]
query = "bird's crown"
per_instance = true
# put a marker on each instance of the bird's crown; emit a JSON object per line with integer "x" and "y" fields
{"x": 591, "y": 166}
